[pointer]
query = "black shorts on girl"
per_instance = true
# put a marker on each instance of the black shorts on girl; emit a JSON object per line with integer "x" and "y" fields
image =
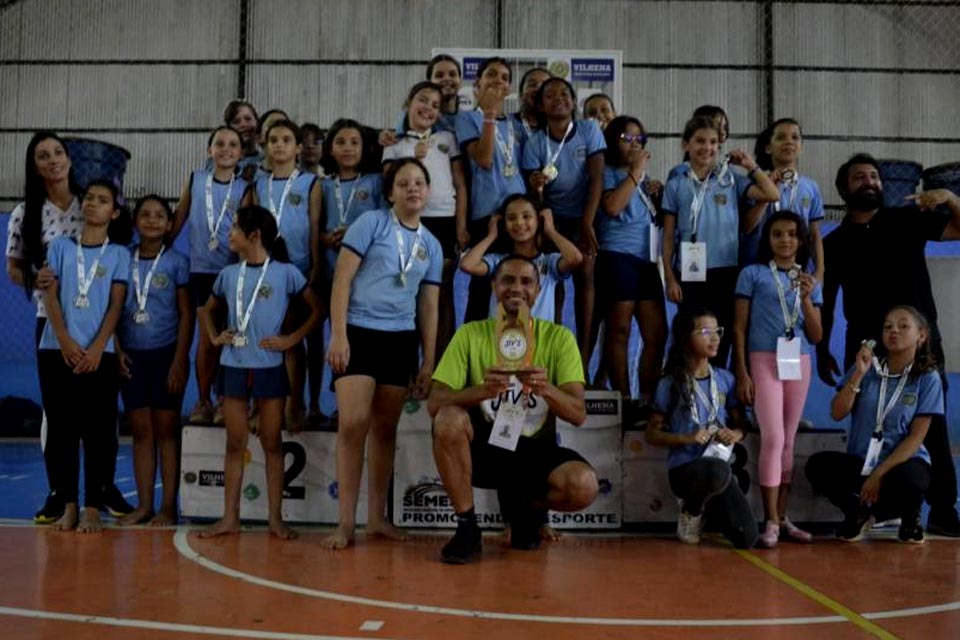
{"x": 271, "y": 382}
{"x": 623, "y": 277}
{"x": 147, "y": 386}
{"x": 445, "y": 230}
{"x": 201, "y": 286}
{"x": 389, "y": 357}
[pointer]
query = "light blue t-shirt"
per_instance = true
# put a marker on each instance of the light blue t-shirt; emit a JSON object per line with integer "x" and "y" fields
{"x": 679, "y": 418}
{"x": 756, "y": 284}
{"x": 378, "y": 300}
{"x": 171, "y": 274}
{"x": 489, "y": 187}
{"x": 84, "y": 324}
{"x": 295, "y": 217}
{"x": 369, "y": 196}
{"x": 922, "y": 396}
{"x": 719, "y": 223}
{"x": 544, "y": 307}
{"x": 804, "y": 200}
{"x": 567, "y": 194}
{"x": 283, "y": 280}
{"x": 630, "y": 231}
{"x": 202, "y": 260}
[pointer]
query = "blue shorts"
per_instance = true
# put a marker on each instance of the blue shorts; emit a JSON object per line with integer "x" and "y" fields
{"x": 147, "y": 386}
{"x": 389, "y": 357}
{"x": 622, "y": 277}
{"x": 234, "y": 382}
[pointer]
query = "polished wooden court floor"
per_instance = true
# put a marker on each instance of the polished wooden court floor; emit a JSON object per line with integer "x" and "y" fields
{"x": 170, "y": 584}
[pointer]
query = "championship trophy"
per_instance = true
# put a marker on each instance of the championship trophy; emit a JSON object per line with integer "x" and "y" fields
{"x": 515, "y": 342}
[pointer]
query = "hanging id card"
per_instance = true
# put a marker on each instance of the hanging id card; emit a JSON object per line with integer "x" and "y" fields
{"x": 508, "y": 425}
{"x": 873, "y": 454}
{"x": 717, "y": 449}
{"x": 693, "y": 261}
{"x": 788, "y": 359}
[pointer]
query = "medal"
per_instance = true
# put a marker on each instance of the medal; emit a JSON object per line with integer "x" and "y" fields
{"x": 402, "y": 279}
{"x": 405, "y": 266}
{"x": 141, "y": 317}
{"x": 550, "y": 172}
{"x": 506, "y": 148}
{"x": 81, "y": 301}
{"x": 243, "y": 316}
{"x": 240, "y": 340}
{"x": 509, "y": 171}
{"x": 85, "y": 278}
{"x": 274, "y": 209}
{"x": 213, "y": 226}
{"x": 338, "y": 196}
{"x": 788, "y": 175}
{"x": 213, "y": 243}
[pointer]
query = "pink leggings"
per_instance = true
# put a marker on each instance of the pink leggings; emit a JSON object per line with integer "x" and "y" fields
{"x": 778, "y": 405}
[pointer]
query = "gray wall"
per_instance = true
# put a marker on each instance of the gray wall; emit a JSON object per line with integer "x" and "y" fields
{"x": 154, "y": 76}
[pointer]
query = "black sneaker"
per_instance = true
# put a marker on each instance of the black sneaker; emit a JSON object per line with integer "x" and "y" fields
{"x": 854, "y": 526}
{"x": 51, "y": 511}
{"x": 114, "y": 503}
{"x": 944, "y": 523}
{"x": 911, "y": 531}
{"x": 525, "y": 530}
{"x": 465, "y": 546}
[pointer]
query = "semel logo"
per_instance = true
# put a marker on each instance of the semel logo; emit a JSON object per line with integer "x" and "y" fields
{"x": 426, "y": 494}
{"x": 602, "y": 407}
{"x": 211, "y": 478}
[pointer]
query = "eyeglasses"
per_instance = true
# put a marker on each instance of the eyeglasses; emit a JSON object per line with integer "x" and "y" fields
{"x": 639, "y": 138}
{"x": 707, "y": 332}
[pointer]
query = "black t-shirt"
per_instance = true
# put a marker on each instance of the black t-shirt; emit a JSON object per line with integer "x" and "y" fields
{"x": 882, "y": 264}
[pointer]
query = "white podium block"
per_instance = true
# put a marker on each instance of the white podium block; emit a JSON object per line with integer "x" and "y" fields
{"x": 310, "y": 490}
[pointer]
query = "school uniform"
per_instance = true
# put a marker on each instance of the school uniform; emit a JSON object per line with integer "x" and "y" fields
{"x": 803, "y": 198}
{"x": 148, "y": 336}
{"x": 357, "y": 196}
{"x": 292, "y": 212}
{"x": 490, "y": 187}
{"x": 81, "y": 406}
{"x": 381, "y": 314}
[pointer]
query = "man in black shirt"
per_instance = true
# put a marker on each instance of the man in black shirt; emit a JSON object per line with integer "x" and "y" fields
{"x": 877, "y": 256}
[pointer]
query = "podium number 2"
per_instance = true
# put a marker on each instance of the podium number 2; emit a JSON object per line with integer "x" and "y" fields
{"x": 292, "y": 472}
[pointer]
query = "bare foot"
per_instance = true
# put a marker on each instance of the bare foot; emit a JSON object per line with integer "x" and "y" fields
{"x": 67, "y": 522}
{"x": 549, "y": 533}
{"x": 137, "y": 516}
{"x": 283, "y": 532}
{"x": 387, "y": 530}
{"x": 90, "y": 521}
{"x": 339, "y": 539}
{"x": 221, "y": 527}
{"x": 164, "y": 518}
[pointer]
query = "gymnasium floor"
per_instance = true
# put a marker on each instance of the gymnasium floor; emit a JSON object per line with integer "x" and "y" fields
{"x": 169, "y": 584}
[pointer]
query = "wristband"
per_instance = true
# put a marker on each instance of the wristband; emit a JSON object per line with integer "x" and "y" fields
{"x": 490, "y": 121}
{"x": 850, "y": 386}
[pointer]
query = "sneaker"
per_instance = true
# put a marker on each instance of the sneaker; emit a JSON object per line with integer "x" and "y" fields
{"x": 794, "y": 533}
{"x": 770, "y": 535}
{"x": 202, "y": 413}
{"x": 217, "y": 418}
{"x": 911, "y": 531}
{"x": 114, "y": 503}
{"x": 51, "y": 511}
{"x": 944, "y": 523}
{"x": 689, "y": 527}
{"x": 465, "y": 546}
{"x": 854, "y": 526}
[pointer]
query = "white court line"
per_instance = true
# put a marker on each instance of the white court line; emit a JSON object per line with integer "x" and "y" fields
{"x": 19, "y": 477}
{"x": 229, "y": 632}
{"x": 182, "y": 544}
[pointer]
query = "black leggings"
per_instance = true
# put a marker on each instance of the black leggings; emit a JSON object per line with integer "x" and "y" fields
{"x": 707, "y": 485}
{"x": 836, "y": 475}
{"x": 79, "y": 407}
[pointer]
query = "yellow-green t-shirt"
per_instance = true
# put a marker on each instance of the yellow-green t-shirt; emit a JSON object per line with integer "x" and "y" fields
{"x": 472, "y": 351}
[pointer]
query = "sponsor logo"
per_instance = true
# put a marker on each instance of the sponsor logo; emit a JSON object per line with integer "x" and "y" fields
{"x": 586, "y": 519}
{"x": 602, "y": 407}
{"x": 411, "y": 406}
{"x": 592, "y": 69}
{"x": 604, "y": 486}
{"x": 470, "y": 67}
{"x": 559, "y": 68}
{"x": 427, "y": 494}
{"x": 190, "y": 477}
{"x": 211, "y": 479}
{"x": 251, "y": 492}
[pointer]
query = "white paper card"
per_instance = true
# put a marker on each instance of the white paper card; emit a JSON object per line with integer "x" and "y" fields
{"x": 508, "y": 425}
{"x": 718, "y": 450}
{"x": 693, "y": 261}
{"x": 788, "y": 359}
{"x": 873, "y": 456}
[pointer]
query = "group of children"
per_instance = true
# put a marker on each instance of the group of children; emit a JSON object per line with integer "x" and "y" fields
{"x": 290, "y": 226}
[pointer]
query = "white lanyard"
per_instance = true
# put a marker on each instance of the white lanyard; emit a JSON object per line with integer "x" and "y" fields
{"x": 789, "y": 319}
{"x": 85, "y": 278}
{"x": 884, "y": 411}
{"x": 405, "y": 266}
{"x": 712, "y": 403}
{"x": 552, "y": 159}
{"x": 792, "y": 185}
{"x": 647, "y": 202}
{"x": 214, "y": 227}
{"x": 523, "y": 123}
{"x": 339, "y": 197}
{"x": 143, "y": 291}
{"x": 506, "y": 148}
{"x": 425, "y": 136}
{"x": 278, "y": 214}
{"x": 700, "y": 188}
{"x": 243, "y": 317}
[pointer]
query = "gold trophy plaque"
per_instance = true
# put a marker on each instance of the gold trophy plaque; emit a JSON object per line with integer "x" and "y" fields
{"x": 515, "y": 342}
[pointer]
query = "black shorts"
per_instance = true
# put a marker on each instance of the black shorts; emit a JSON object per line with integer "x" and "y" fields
{"x": 528, "y": 467}
{"x": 623, "y": 277}
{"x": 201, "y": 286}
{"x": 147, "y": 386}
{"x": 569, "y": 228}
{"x": 234, "y": 382}
{"x": 389, "y": 357}
{"x": 445, "y": 230}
